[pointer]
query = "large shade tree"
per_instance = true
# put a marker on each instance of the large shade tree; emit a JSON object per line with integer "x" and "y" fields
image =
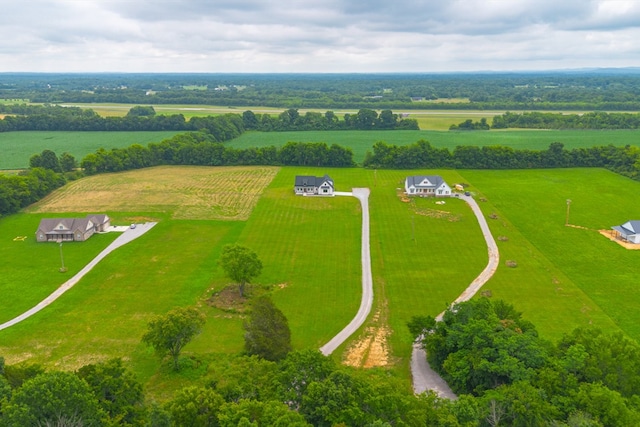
{"x": 240, "y": 264}
{"x": 168, "y": 334}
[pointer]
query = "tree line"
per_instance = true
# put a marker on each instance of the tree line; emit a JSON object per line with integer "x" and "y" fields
{"x": 224, "y": 127}
{"x": 623, "y": 160}
{"x": 202, "y": 149}
{"x": 536, "y": 120}
{"x": 592, "y": 120}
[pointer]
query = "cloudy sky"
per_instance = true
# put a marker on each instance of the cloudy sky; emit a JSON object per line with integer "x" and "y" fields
{"x": 327, "y": 36}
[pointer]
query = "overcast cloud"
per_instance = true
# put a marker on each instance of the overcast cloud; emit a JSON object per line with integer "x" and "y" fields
{"x": 329, "y": 36}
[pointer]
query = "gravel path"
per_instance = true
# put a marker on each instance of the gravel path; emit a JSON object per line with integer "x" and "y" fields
{"x": 128, "y": 235}
{"x": 367, "y": 282}
{"x": 424, "y": 378}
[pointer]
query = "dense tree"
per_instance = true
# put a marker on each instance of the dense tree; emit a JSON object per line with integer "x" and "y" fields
{"x": 119, "y": 393}
{"x": 169, "y": 333}
{"x": 141, "y": 111}
{"x": 67, "y": 162}
{"x": 259, "y": 413}
{"x": 298, "y": 370}
{"x": 195, "y": 406}
{"x": 56, "y": 398}
{"x": 240, "y": 264}
{"x": 267, "y": 332}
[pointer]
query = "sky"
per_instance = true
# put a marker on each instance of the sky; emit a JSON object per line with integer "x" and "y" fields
{"x": 328, "y": 36}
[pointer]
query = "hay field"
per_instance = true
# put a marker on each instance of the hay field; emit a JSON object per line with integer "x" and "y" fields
{"x": 184, "y": 192}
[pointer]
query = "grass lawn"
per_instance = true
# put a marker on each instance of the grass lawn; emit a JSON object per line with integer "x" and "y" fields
{"x": 582, "y": 277}
{"x": 25, "y": 283}
{"x": 362, "y": 141}
{"x": 18, "y": 147}
{"x": 423, "y": 256}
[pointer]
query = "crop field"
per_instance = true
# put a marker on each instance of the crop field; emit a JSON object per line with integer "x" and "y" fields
{"x": 223, "y": 193}
{"x": 362, "y": 141}
{"x": 18, "y": 147}
{"x": 423, "y": 255}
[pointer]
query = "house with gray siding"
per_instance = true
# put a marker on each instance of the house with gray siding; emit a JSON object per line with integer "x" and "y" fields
{"x": 313, "y": 185}
{"x": 629, "y": 231}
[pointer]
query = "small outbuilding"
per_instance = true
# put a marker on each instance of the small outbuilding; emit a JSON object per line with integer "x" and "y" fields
{"x": 314, "y": 185}
{"x": 629, "y": 231}
{"x": 71, "y": 229}
{"x": 426, "y": 185}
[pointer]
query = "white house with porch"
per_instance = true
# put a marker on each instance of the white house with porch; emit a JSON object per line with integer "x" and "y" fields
{"x": 629, "y": 231}
{"x": 426, "y": 185}
{"x": 314, "y": 185}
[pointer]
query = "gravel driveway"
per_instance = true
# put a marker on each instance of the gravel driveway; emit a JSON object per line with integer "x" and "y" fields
{"x": 367, "y": 282}
{"x": 425, "y": 378}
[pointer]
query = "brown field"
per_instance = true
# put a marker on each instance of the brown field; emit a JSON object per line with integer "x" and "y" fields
{"x": 185, "y": 192}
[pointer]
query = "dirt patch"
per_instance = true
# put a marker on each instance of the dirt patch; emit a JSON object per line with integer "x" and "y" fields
{"x": 436, "y": 213}
{"x": 371, "y": 349}
{"x": 186, "y": 192}
{"x": 609, "y": 234}
{"x": 228, "y": 299}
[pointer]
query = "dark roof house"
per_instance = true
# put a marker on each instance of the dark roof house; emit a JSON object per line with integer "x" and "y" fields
{"x": 313, "y": 185}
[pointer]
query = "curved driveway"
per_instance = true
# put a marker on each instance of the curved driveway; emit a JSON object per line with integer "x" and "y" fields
{"x": 127, "y": 236}
{"x": 367, "y": 282}
{"x": 424, "y": 378}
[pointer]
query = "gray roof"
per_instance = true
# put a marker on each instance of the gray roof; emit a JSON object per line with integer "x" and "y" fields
{"x": 628, "y": 228}
{"x": 435, "y": 180}
{"x": 312, "y": 181}
{"x": 64, "y": 225}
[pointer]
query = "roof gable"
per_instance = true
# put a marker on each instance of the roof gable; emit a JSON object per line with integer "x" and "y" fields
{"x": 424, "y": 181}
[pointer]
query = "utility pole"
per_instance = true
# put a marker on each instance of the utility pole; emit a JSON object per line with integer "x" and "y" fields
{"x": 568, "y": 206}
{"x": 63, "y": 268}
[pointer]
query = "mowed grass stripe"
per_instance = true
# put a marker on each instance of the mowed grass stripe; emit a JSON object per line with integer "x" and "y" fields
{"x": 536, "y": 203}
{"x": 310, "y": 247}
{"x": 421, "y": 262}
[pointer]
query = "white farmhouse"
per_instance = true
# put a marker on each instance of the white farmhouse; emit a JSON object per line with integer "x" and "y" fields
{"x": 314, "y": 185}
{"x": 426, "y": 185}
{"x": 629, "y": 231}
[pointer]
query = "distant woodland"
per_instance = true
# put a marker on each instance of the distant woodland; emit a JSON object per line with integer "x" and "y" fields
{"x": 604, "y": 90}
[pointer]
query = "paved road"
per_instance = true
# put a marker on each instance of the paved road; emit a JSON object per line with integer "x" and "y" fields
{"x": 367, "y": 282}
{"x": 424, "y": 378}
{"x": 127, "y": 236}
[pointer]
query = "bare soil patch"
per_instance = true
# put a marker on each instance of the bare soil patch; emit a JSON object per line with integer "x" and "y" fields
{"x": 187, "y": 192}
{"x": 611, "y": 236}
{"x": 372, "y": 348}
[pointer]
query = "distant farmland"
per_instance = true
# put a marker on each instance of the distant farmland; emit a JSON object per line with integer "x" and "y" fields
{"x": 362, "y": 141}
{"x": 18, "y": 147}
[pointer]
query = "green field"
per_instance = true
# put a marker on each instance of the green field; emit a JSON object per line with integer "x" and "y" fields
{"x": 362, "y": 141}
{"x": 423, "y": 256}
{"x": 18, "y": 147}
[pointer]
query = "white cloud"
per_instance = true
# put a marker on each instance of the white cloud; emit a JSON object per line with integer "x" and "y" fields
{"x": 331, "y": 36}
